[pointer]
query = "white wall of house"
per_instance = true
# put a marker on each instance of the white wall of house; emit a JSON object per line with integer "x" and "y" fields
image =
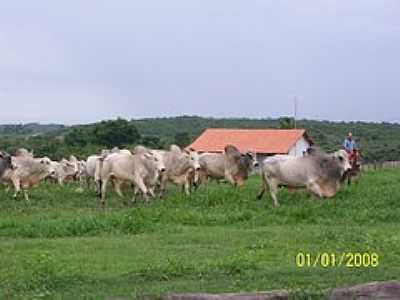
{"x": 301, "y": 146}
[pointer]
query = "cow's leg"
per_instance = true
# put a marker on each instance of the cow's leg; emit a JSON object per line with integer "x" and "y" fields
{"x": 163, "y": 187}
{"x": 26, "y": 195}
{"x": 88, "y": 182}
{"x": 117, "y": 188}
{"x": 264, "y": 187}
{"x": 103, "y": 190}
{"x": 82, "y": 179}
{"x": 315, "y": 188}
{"x": 151, "y": 192}
{"x": 25, "y": 187}
{"x": 229, "y": 177}
{"x": 98, "y": 186}
{"x": 98, "y": 181}
{"x": 274, "y": 188}
{"x": 187, "y": 187}
{"x": 142, "y": 187}
{"x": 17, "y": 186}
{"x": 136, "y": 192}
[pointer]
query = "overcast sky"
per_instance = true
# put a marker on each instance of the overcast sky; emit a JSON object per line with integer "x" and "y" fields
{"x": 81, "y": 61}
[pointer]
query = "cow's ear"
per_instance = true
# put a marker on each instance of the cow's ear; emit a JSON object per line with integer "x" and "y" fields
{"x": 1, "y": 155}
{"x": 232, "y": 153}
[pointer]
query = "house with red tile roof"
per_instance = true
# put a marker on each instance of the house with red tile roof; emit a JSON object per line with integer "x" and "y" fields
{"x": 264, "y": 142}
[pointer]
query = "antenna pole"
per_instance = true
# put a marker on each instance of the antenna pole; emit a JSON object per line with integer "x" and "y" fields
{"x": 295, "y": 112}
{"x": 295, "y": 122}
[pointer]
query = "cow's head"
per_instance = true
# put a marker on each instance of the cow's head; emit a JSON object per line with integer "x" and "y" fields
{"x": 47, "y": 166}
{"x": 8, "y": 163}
{"x": 81, "y": 167}
{"x": 75, "y": 163}
{"x": 252, "y": 157}
{"x": 194, "y": 161}
{"x": 70, "y": 168}
{"x": 157, "y": 158}
{"x": 342, "y": 159}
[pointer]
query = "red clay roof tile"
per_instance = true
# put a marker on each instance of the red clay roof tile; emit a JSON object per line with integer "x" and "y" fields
{"x": 269, "y": 141}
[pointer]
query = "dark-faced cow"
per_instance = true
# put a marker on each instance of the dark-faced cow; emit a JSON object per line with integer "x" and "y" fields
{"x": 231, "y": 165}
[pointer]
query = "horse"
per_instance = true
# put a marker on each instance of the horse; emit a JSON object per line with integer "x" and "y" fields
{"x": 355, "y": 159}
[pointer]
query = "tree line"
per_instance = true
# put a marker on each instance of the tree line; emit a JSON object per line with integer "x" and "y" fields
{"x": 378, "y": 141}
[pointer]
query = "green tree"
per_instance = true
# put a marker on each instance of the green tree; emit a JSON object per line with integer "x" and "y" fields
{"x": 153, "y": 142}
{"x": 286, "y": 123}
{"x": 77, "y": 137}
{"x": 182, "y": 139}
{"x": 115, "y": 133}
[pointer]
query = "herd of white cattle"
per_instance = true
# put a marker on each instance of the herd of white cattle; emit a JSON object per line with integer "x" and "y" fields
{"x": 147, "y": 172}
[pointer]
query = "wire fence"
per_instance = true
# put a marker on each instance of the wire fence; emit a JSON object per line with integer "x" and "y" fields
{"x": 381, "y": 165}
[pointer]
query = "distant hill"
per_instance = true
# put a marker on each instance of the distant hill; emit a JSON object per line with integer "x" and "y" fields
{"x": 31, "y": 129}
{"x": 378, "y": 141}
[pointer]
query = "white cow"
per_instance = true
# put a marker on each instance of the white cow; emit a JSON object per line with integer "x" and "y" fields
{"x": 180, "y": 166}
{"x": 319, "y": 172}
{"x": 28, "y": 173}
{"x": 141, "y": 169}
{"x": 64, "y": 170}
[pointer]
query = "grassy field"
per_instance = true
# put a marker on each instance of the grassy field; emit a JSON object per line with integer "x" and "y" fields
{"x": 63, "y": 245}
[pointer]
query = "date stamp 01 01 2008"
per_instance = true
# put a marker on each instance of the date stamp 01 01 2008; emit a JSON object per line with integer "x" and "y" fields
{"x": 336, "y": 260}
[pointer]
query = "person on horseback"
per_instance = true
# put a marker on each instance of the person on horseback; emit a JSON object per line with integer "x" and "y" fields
{"x": 350, "y": 146}
{"x": 354, "y": 154}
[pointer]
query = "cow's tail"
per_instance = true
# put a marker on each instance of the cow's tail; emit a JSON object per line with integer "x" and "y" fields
{"x": 264, "y": 185}
{"x": 97, "y": 176}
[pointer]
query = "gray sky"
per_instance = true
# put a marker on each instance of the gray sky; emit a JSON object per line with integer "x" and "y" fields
{"x": 82, "y": 61}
